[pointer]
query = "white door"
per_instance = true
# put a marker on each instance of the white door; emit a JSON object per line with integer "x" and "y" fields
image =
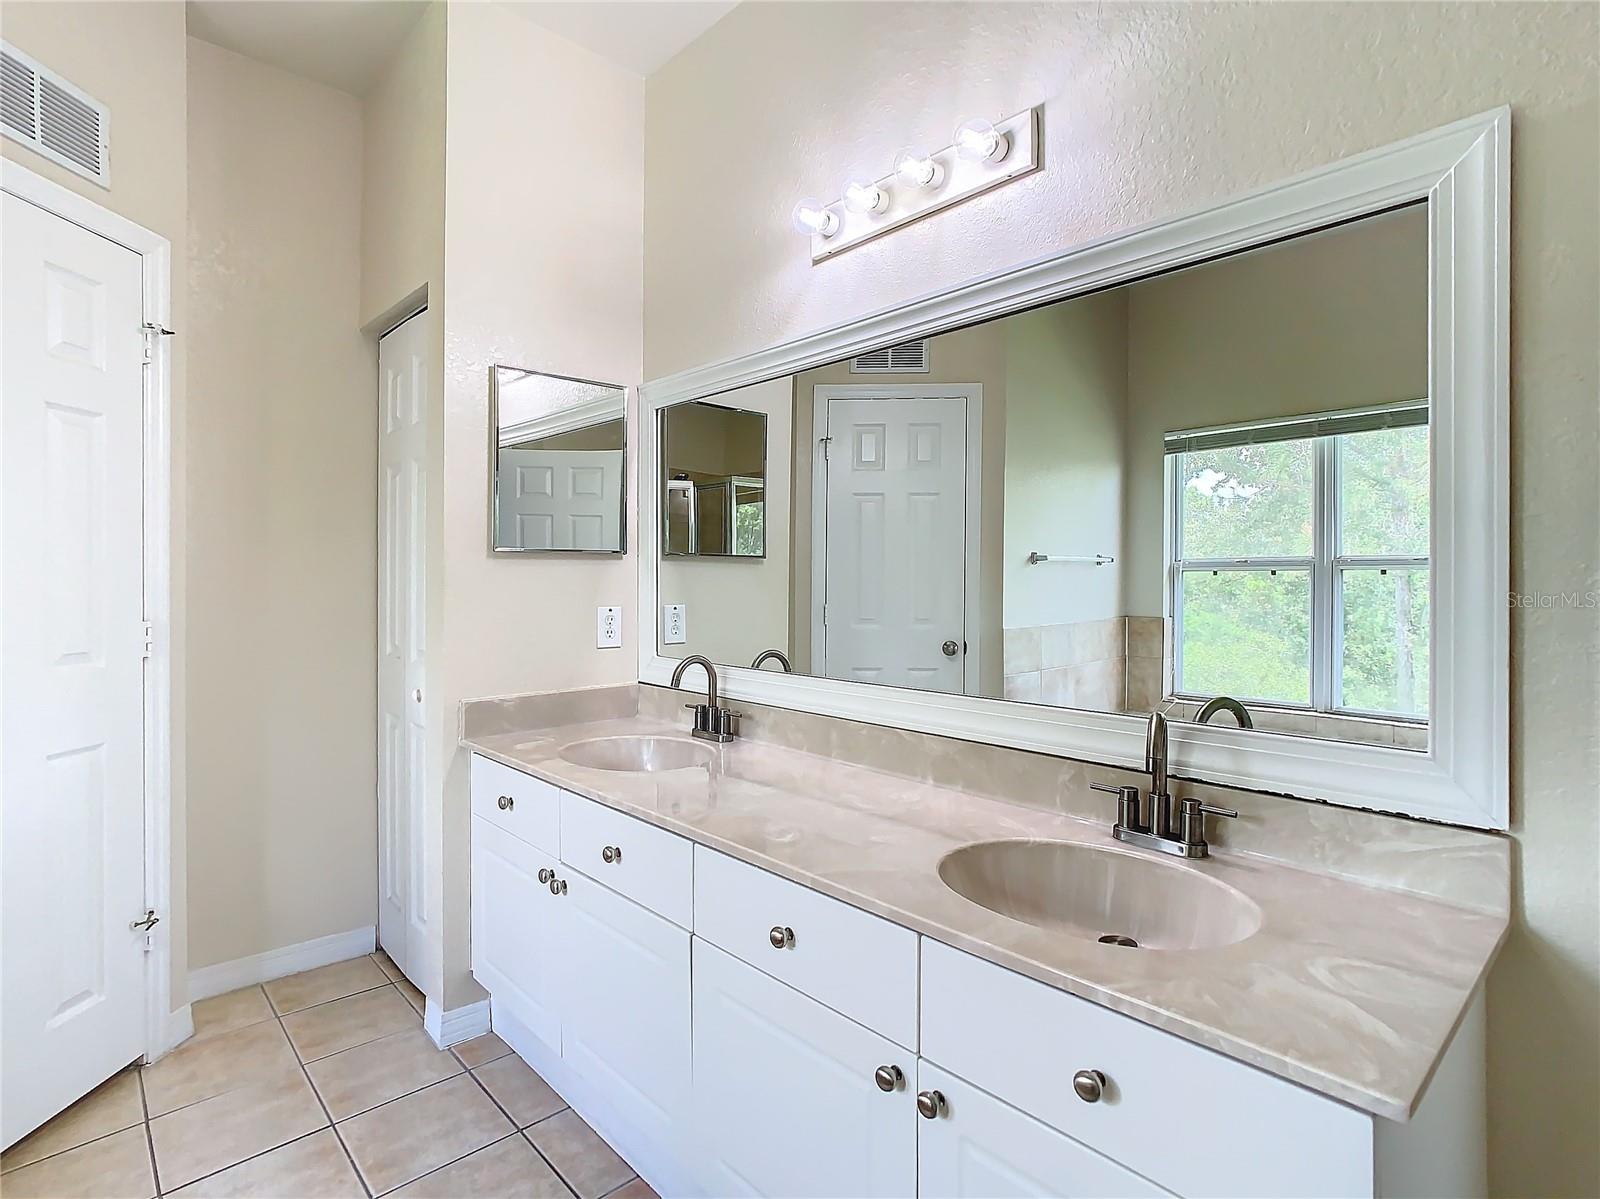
{"x": 612, "y": 953}
{"x": 402, "y": 597}
{"x": 980, "y": 1148}
{"x": 514, "y": 944}
{"x": 895, "y": 566}
{"x": 560, "y": 499}
{"x": 72, "y": 814}
{"x": 785, "y": 1099}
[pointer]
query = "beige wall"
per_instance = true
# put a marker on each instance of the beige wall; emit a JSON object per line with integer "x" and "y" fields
{"x": 130, "y": 56}
{"x": 281, "y": 448}
{"x": 1147, "y": 115}
{"x": 543, "y": 249}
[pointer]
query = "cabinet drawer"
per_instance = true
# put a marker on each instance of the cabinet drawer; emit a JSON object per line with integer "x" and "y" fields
{"x": 1192, "y": 1120}
{"x": 524, "y": 806}
{"x": 649, "y": 865}
{"x": 850, "y": 960}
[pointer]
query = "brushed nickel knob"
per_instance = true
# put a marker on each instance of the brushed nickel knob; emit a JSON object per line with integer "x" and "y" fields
{"x": 930, "y": 1104}
{"x": 888, "y": 1078}
{"x": 781, "y": 936}
{"x": 544, "y": 874}
{"x": 558, "y": 886}
{"x": 1089, "y": 1084}
{"x": 610, "y": 853}
{"x": 505, "y": 802}
{"x": 951, "y": 648}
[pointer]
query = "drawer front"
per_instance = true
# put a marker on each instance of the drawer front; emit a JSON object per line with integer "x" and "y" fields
{"x": 520, "y": 804}
{"x": 980, "y": 1148}
{"x": 649, "y": 865}
{"x": 856, "y": 963}
{"x": 1192, "y": 1120}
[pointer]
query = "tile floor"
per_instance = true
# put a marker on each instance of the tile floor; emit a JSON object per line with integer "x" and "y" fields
{"x": 321, "y": 1084}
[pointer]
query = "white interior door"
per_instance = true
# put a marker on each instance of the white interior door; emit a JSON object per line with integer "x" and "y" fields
{"x": 72, "y": 608}
{"x": 895, "y": 565}
{"x": 402, "y": 536}
{"x": 560, "y": 499}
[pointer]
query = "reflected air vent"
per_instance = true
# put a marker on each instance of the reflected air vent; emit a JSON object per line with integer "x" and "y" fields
{"x": 47, "y": 114}
{"x": 907, "y": 358}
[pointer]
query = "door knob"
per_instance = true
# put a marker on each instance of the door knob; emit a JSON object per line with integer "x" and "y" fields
{"x": 1089, "y": 1084}
{"x": 951, "y": 648}
{"x": 781, "y": 936}
{"x": 888, "y": 1078}
{"x": 930, "y": 1104}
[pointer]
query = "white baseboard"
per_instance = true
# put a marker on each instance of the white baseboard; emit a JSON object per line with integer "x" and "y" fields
{"x": 275, "y": 963}
{"x": 457, "y": 1025}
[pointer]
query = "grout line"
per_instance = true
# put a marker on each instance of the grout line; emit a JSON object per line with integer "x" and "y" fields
{"x": 453, "y": 1161}
{"x": 560, "y": 1177}
{"x": 263, "y": 1153}
{"x": 149, "y": 1136}
{"x": 387, "y": 982}
{"x": 333, "y": 1053}
{"x": 337, "y": 1136}
{"x": 620, "y": 1185}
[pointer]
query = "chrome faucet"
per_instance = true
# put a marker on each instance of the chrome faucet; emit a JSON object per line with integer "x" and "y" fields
{"x": 712, "y": 722}
{"x": 1156, "y": 831}
{"x": 1224, "y": 703}
{"x": 776, "y": 655}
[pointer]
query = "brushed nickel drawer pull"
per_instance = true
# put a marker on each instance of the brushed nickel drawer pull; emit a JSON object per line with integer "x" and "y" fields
{"x": 505, "y": 802}
{"x": 781, "y": 936}
{"x": 1089, "y": 1085}
{"x": 930, "y": 1104}
{"x": 611, "y": 853}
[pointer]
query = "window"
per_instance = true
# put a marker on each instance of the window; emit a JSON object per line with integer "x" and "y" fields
{"x": 1299, "y": 562}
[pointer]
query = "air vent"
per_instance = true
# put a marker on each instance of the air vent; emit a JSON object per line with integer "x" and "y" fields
{"x": 47, "y": 114}
{"x": 907, "y": 358}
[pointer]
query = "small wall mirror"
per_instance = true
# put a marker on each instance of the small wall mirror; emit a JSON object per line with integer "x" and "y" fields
{"x": 714, "y": 491}
{"x": 556, "y": 463}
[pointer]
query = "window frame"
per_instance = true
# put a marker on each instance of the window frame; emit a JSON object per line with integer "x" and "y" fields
{"x": 1326, "y": 566}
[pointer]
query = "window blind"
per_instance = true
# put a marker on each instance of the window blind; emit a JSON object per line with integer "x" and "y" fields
{"x": 1406, "y": 414}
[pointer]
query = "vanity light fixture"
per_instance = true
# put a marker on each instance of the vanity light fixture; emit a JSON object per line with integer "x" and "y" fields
{"x": 812, "y": 218}
{"x": 918, "y": 169}
{"x": 979, "y": 141}
{"x": 866, "y": 197}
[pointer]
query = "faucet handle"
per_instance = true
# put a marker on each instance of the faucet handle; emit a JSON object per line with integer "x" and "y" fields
{"x": 1214, "y": 810}
{"x": 1192, "y": 821}
{"x": 1127, "y": 803}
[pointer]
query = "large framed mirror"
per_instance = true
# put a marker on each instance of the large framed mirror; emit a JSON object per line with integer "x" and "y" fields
{"x": 1207, "y": 469}
{"x": 558, "y": 456}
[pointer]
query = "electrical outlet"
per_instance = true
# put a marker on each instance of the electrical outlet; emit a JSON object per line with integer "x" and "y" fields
{"x": 609, "y": 633}
{"x": 674, "y": 624}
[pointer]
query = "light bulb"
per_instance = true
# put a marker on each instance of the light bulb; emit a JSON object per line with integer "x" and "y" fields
{"x": 811, "y": 216}
{"x": 978, "y": 141}
{"x": 917, "y": 169}
{"x": 865, "y": 197}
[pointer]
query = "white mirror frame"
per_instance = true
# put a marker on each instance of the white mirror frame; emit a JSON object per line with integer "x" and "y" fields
{"x": 1463, "y": 171}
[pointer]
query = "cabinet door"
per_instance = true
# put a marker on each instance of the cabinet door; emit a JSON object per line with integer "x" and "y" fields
{"x": 785, "y": 1100}
{"x": 980, "y": 1148}
{"x": 625, "y": 995}
{"x": 513, "y": 920}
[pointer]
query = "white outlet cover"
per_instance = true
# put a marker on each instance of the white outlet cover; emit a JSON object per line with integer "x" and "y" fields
{"x": 608, "y": 631}
{"x": 674, "y": 624}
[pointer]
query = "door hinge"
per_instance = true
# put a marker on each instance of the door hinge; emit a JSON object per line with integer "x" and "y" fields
{"x": 149, "y": 638}
{"x": 824, "y": 442}
{"x": 144, "y": 925}
{"x": 152, "y": 331}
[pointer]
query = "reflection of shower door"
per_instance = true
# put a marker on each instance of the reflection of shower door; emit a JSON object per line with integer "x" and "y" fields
{"x": 560, "y": 499}
{"x": 895, "y": 555}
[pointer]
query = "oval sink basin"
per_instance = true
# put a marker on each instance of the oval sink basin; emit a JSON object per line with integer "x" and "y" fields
{"x": 1100, "y": 895}
{"x": 642, "y": 755}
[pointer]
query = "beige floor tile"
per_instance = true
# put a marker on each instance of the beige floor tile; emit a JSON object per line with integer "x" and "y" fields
{"x": 408, "y": 1138}
{"x": 527, "y": 1097}
{"x": 346, "y": 1023}
{"x": 114, "y": 1167}
{"x": 226, "y": 1129}
{"x": 236, "y": 1009}
{"x": 110, "y": 1107}
{"x": 324, "y": 983}
{"x": 479, "y": 1050}
{"x": 386, "y": 964}
{"x": 508, "y": 1169}
{"x": 411, "y": 995}
{"x": 201, "y": 1068}
{"x": 314, "y": 1167}
{"x": 637, "y": 1189}
{"x": 357, "y": 1079}
{"x": 589, "y": 1165}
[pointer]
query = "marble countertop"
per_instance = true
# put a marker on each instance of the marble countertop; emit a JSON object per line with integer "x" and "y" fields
{"x": 1349, "y": 989}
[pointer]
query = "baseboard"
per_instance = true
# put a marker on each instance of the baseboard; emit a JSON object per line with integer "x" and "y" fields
{"x": 275, "y": 963}
{"x": 457, "y": 1025}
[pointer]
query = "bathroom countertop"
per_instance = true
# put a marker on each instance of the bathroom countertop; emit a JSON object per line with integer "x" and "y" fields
{"x": 1349, "y": 989}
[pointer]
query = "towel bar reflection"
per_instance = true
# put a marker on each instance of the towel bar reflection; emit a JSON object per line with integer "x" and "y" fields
{"x": 1087, "y": 559}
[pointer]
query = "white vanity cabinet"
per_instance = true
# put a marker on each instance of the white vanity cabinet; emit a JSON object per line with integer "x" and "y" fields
{"x": 514, "y": 935}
